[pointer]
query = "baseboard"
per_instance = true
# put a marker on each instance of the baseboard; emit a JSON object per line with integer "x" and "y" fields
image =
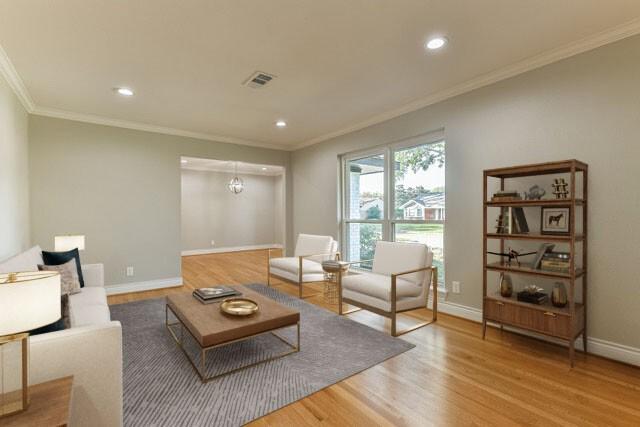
{"x": 458, "y": 310}
{"x": 148, "y": 285}
{"x": 231, "y": 249}
{"x": 596, "y": 346}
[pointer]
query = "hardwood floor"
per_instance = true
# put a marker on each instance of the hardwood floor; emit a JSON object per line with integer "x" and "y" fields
{"x": 452, "y": 377}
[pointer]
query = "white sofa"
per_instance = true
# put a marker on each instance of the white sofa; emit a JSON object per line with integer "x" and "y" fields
{"x": 90, "y": 350}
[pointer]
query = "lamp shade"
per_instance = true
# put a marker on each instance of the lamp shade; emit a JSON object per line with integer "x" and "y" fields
{"x": 67, "y": 243}
{"x": 28, "y": 300}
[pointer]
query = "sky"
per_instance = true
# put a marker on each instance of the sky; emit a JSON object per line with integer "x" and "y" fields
{"x": 429, "y": 179}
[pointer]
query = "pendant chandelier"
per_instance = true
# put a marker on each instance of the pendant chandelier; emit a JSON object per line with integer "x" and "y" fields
{"x": 236, "y": 185}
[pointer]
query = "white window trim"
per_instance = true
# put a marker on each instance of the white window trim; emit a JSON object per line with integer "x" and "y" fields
{"x": 389, "y": 221}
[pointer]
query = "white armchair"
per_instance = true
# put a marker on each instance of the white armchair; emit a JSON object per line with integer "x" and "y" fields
{"x": 305, "y": 266}
{"x": 399, "y": 281}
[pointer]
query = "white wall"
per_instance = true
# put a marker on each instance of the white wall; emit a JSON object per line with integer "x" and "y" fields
{"x": 211, "y": 212}
{"x": 120, "y": 188}
{"x": 14, "y": 174}
{"x": 585, "y": 107}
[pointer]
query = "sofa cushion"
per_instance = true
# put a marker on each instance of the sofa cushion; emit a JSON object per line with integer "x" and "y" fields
{"x": 89, "y": 296}
{"x": 25, "y": 261}
{"x": 89, "y": 307}
{"x": 379, "y": 286}
{"x": 69, "y": 283}
{"x": 57, "y": 258}
{"x": 291, "y": 264}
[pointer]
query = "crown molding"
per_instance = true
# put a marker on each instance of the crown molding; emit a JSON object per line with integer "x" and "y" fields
{"x": 594, "y": 41}
{"x": 101, "y": 120}
{"x": 8, "y": 71}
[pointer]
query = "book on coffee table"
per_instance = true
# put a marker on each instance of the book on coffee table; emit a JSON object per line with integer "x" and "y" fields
{"x": 216, "y": 293}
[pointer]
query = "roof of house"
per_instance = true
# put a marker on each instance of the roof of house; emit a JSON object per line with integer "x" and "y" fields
{"x": 430, "y": 201}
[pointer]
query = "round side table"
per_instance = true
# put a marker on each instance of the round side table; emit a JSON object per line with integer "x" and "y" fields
{"x": 331, "y": 270}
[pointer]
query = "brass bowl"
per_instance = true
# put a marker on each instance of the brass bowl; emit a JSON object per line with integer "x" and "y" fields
{"x": 239, "y": 306}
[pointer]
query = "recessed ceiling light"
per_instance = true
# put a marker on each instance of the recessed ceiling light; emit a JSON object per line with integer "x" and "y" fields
{"x": 183, "y": 161}
{"x": 124, "y": 91}
{"x": 264, "y": 169}
{"x": 436, "y": 43}
{"x": 281, "y": 123}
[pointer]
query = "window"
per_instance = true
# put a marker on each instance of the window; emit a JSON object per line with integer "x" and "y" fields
{"x": 395, "y": 193}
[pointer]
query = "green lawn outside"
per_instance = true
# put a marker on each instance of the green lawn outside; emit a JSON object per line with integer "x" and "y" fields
{"x": 434, "y": 228}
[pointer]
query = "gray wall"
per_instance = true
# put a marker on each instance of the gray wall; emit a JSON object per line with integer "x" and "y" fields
{"x": 120, "y": 188}
{"x": 211, "y": 212}
{"x": 14, "y": 174}
{"x": 586, "y": 107}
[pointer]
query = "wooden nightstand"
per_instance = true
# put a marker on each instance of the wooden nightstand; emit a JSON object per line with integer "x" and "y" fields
{"x": 49, "y": 405}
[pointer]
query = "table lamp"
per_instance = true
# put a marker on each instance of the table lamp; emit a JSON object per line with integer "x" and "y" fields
{"x": 67, "y": 243}
{"x": 28, "y": 300}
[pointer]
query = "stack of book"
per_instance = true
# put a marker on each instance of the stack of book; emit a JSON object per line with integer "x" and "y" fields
{"x": 537, "y": 298}
{"x": 214, "y": 294}
{"x": 558, "y": 262}
{"x": 505, "y": 196}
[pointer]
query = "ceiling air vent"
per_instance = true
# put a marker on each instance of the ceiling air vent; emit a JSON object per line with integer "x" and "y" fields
{"x": 259, "y": 79}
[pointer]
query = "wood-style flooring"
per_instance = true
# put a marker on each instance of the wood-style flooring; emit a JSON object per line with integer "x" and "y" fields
{"x": 451, "y": 378}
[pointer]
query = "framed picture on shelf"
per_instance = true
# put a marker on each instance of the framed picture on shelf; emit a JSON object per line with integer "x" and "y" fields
{"x": 555, "y": 221}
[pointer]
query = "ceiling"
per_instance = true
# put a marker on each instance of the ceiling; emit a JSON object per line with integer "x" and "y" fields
{"x": 340, "y": 65}
{"x": 225, "y": 166}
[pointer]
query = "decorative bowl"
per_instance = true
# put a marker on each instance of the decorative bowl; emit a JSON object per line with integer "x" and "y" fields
{"x": 239, "y": 306}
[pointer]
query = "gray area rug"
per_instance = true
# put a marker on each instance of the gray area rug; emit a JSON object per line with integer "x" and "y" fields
{"x": 161, "y": 388}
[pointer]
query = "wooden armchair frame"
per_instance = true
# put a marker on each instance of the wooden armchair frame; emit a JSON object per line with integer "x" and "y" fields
{"x": 300, "y": 272}
{"x": 394, "y": 311}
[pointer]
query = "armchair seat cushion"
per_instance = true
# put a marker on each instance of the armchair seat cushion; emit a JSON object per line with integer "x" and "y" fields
{"x": 291, "y": 264}
{"x": 379, "y": 285}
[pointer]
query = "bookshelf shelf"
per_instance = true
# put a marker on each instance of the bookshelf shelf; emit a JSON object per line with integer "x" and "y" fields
{"x": 533, "y": 236}
{"x": 569, "y": 322}
{"x": 551, "y": 203}
{"x": 524, "y": 268}
{"x": 546, "y": 306}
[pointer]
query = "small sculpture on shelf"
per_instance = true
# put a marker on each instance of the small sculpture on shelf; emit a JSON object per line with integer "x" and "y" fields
{"x": 511, "y": 255}
{"x": 535, "y": 193}
{"x": 560, "y": 189}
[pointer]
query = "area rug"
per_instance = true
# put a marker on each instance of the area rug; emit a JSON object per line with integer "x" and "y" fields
{"x": 161, "y": 388}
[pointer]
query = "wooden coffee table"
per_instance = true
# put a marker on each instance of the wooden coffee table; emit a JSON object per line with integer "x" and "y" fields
{"x": 211, "y": 328}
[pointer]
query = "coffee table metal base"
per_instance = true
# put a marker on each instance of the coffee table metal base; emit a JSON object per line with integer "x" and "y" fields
{"x": 202, "y": 371}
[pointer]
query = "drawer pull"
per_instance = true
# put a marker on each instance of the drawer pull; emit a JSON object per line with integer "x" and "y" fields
{"x": 548, "y": 313}
{"x": 499, "y": 303}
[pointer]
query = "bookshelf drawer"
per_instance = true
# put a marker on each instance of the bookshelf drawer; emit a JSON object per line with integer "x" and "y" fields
{"x": 535, "y": 318}
{"x": 546, "y": 322}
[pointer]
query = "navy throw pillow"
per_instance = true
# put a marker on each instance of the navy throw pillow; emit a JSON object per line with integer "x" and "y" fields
{"x": 57, "y": 258}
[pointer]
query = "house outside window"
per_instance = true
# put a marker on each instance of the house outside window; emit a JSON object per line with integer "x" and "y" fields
{"x": 395, "y": 193}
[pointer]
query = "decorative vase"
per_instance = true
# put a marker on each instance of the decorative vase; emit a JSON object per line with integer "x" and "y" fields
{"x": 559, "y": 295}
{"x": 506, "y": 285}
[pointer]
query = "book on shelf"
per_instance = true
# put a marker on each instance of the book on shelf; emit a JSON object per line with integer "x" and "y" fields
{"x": 555, "y": 266}
{"x": 506, "y": 196}
{"x": 557, "y": 256}
{"x": 513, "y": 221}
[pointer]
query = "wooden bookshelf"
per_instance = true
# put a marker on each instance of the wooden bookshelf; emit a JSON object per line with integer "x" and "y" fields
{"x": 569, "y": 322}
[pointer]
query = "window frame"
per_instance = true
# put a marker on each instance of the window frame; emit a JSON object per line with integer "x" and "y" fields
{"x": 389, "y": 220}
